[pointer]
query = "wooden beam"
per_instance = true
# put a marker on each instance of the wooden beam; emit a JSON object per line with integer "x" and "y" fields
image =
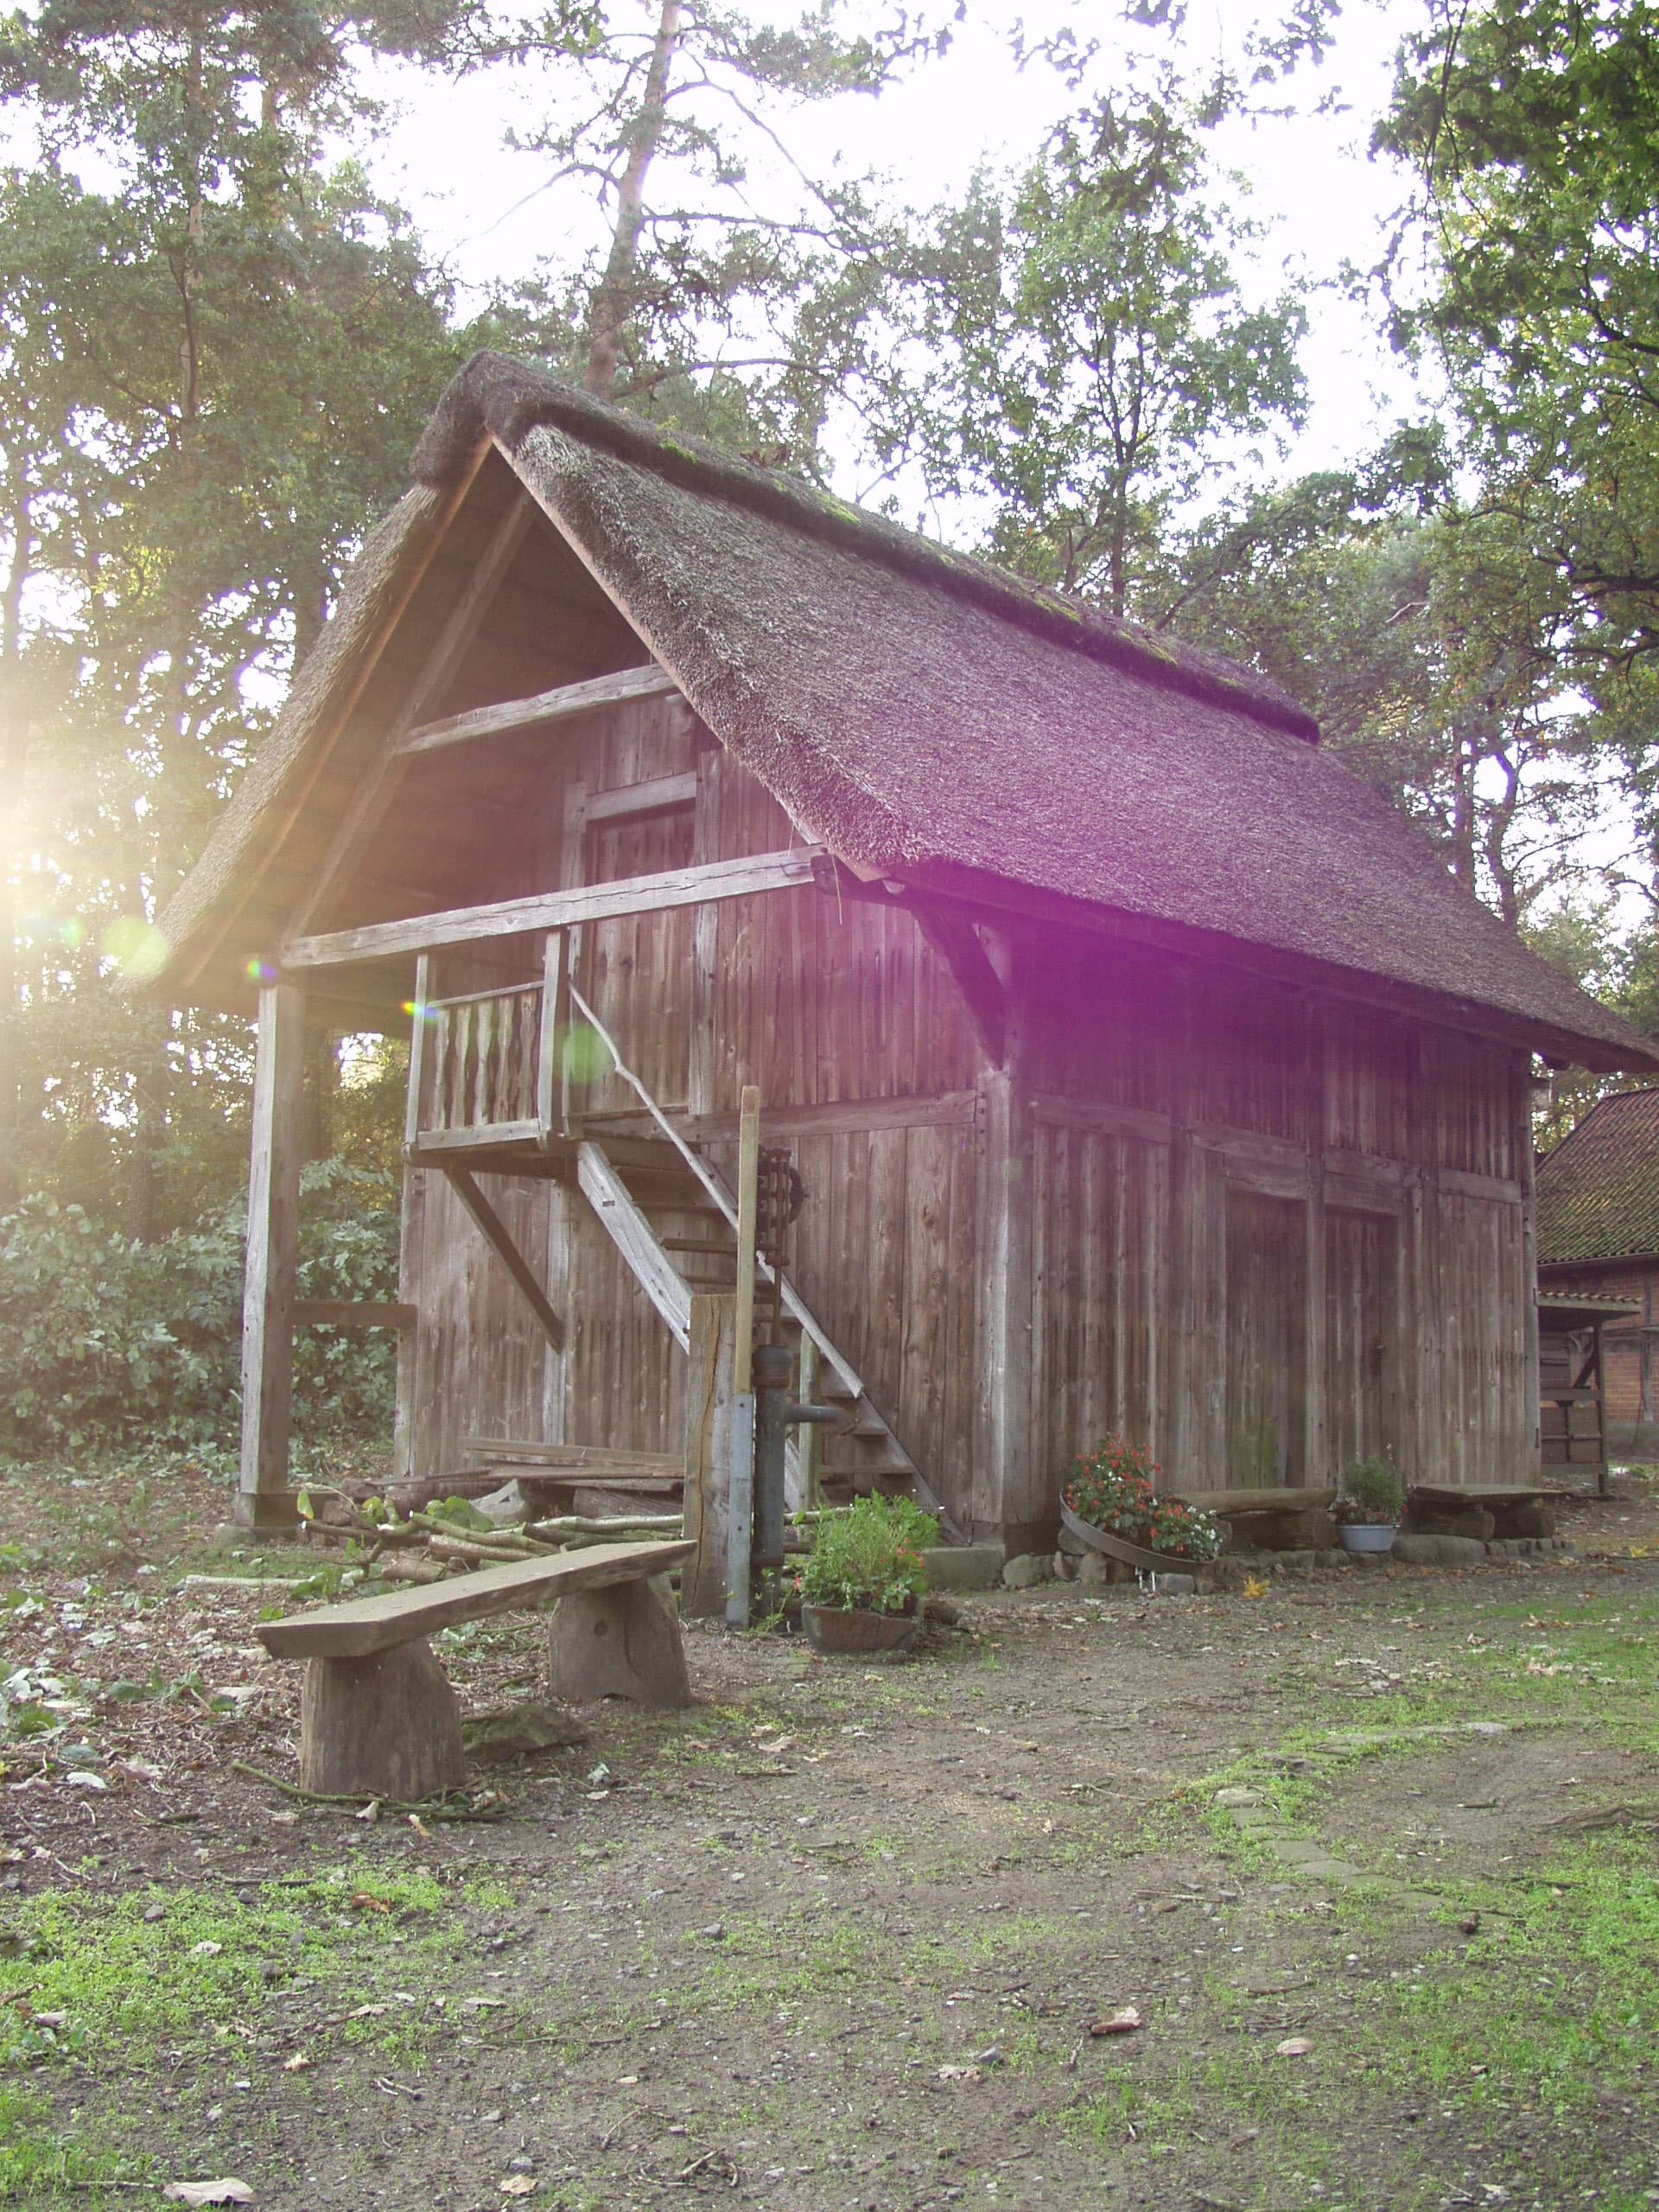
{"x": 552, "y": 910}
{"x": 953, "y": 938}
{"x": 554, "y": 706}
{"x": 1015, "y": 1496}
{"x": 273, "y": 1237}
{"x": 380, "y": 788}
{"x": 493, "y": 1230}
{"x": 708, "y": 1455}
{"x": 354, "y": 1313}
{"x": 634, "y": 1237}
{"x": 655, "y": 796}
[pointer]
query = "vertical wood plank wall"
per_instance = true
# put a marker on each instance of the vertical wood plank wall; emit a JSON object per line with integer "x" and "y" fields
{"x": 1269, "y": 1232}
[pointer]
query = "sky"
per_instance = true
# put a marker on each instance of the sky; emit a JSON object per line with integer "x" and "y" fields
{"x": 486, "y": 210}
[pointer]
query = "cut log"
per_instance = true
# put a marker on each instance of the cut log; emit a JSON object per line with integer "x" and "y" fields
{"x": 386, "y": 1725}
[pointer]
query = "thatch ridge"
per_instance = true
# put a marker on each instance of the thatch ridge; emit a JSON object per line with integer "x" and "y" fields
{"x": 494, "y": 396}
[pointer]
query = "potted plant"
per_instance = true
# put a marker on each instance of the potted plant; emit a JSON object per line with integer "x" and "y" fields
{"x": 1111, "y": 1501}
{"x": 864, "y": 1576}
{"x": 1368, "y": 1512}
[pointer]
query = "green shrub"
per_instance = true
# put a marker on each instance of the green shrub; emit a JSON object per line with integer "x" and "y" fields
{"x": 106, "y": 1340}
{"x": 867, "y": 1556}
{"x": 1114, "y": 1488}
{"x": 1371, "y": 1492}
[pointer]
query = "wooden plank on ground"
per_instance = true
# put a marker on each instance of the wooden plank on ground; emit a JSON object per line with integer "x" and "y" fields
{"x": 364, "y": 1625}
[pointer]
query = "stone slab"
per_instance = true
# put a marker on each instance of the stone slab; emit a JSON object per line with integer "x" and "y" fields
{"x": 962, "y": 1566}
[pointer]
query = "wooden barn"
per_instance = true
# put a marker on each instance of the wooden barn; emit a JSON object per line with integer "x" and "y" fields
{"x": 1598, "y": 1247}
{"x": 1143, "y": 1071}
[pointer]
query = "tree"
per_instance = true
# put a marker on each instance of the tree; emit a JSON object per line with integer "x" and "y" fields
{"x": 1102, "y": 367}
{"x": 1532, "y": 130}
{"x": 241, "y": 342}
{"x": 729, "y": 289}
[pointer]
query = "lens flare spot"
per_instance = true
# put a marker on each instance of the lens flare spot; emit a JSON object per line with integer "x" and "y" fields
{"x": 138, "y": 949}
{"x": 73, "y": 933}
{"x": 258, "y": 971}
{"x": 582, "y": 1054}
{"x": 418, "y": 1010}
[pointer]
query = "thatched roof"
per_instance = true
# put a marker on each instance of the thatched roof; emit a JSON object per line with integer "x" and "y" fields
{"x": 928, "y": 717}
{"x": 1598, "y": 1189}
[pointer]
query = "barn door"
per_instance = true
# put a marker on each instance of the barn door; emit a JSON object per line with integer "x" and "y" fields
{"x": 1360, "y": 1275}
{"x": 636, "y": 970}
{"x": 1267, "y": 1337}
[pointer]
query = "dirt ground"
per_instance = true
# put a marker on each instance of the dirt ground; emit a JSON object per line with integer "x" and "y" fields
{"x": 841, "y": 1935}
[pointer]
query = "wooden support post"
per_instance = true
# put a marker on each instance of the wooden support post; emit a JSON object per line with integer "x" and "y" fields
{"x": 493, "y": 1230}
{"x": 740, "y": 1483}
{"x": 1315, "y": 1466}
{"x": 552, "y": 1077}
{"x": 1525, "y": 1165}
{"x": 806, "y": 1441}
{"x": 1023, "y": 1502}
{"x": 263, "y": 1500}
{"x": 708, "y": 1454}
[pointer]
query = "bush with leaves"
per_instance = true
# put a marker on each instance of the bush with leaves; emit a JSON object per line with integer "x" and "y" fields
{"x": 107, "y": 1340}
{"x": 1113, "y": 1488}
{"x": 867, "y": 1557}
{"x": 1372, "y": 1495}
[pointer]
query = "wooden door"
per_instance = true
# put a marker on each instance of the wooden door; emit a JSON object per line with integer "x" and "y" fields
{"x": 1361, "y": 1278}
{"x": 1267, "y": 1339}
{"x": 636, "y": 971}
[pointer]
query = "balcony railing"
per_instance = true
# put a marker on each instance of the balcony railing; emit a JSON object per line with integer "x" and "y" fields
{"x": 483, "y": 1064}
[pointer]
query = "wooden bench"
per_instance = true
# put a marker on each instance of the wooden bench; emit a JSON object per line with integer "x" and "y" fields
{"x": 1274, "y": 1520}
{"x": 1480, "y": 1510}
{"x": 378, "y": 1717}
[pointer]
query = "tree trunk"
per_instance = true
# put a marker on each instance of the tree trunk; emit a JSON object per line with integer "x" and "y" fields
{"x": 613, "y": 299}
{"x": 13, "y": 765}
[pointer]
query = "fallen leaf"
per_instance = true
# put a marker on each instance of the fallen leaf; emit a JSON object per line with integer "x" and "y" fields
{"x": 1293, "y": 2047}
{"x": 297, "y": 2063}
{"x": 960, "y": 2074}
{"x": 517, "y": 2185}
{"x": 370, "y": 1812}
{"x": 420, "y": 1826}
{"x": 1123, "y": 2022}
{"x": 367, "y": 1901}
{"x": 208, "y": 2192}
{"x": 481, "y": 2004}
{"x": 208, "y": 1950}
{"x": 368, "y": 2011}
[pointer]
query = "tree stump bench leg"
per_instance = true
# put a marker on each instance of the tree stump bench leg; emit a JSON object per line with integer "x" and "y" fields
{"x": 384, "y": 1726}
{"x": 622, "y": 1641}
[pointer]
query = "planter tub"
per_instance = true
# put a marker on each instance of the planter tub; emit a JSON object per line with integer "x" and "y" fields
{"x": 1368, "y": 1535}
{"x": 1131, "y": 1554}
{"x": 838, "y": 1631}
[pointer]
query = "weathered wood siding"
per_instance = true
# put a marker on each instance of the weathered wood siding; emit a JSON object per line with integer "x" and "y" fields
{"x": 1265, "y": 1231}
{"x": 1275, "y": 1233}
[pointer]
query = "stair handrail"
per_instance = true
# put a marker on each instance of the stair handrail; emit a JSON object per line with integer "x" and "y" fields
{"x": 714, "y": 1185}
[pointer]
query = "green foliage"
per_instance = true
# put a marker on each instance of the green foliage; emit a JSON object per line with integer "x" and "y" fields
{"x": 1100, "y": 361}
{"x": 1114, "y": 1488}
{"x": 1371, "y": 1493}
{"x": 1531, "y": 127}
{"x": 867, "y": 1556}
{"x": 104, "y": 1338}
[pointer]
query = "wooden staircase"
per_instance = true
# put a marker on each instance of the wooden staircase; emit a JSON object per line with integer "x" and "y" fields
{"x": 626, "y": 1188}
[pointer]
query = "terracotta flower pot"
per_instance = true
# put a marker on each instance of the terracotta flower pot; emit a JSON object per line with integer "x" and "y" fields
{"x": 842, "y": 1631}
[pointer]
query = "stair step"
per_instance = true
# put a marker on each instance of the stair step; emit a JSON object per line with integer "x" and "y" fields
{"x": 698, "y": 1244}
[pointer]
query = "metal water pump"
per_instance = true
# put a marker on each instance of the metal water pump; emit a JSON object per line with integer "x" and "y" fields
{"x": 775, "y": 1413}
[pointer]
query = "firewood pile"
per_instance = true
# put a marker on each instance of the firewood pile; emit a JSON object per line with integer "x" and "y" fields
{"x": 455, "y": 1536}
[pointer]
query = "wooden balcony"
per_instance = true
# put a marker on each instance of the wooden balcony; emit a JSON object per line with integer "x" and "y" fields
{"x": 484, "y": 1082}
